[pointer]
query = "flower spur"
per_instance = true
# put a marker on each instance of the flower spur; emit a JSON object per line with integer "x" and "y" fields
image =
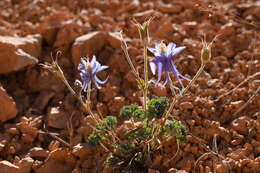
{"x": 88, "y": 72}
{"x": 163, "y": 60}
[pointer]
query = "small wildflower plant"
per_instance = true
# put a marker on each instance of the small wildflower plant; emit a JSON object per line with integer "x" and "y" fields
{"x": 148, "y": 124}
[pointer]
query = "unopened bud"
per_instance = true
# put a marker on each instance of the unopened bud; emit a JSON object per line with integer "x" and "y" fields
{"x": 206, "y": 53}
{"x": 144, "y": 30}
{"x": 206, "y": 50}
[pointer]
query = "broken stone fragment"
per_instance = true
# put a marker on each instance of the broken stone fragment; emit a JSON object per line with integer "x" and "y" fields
{"x": 87, "y": 45}
{"x": 18, "y": 53}
{"x": 114, "y": 40}
{"x": 38, "y": 152}
{"x": 57, "y": 118}
{"x": 67, "y": 34}
{"x": 60, "y": 161}
{"x": 25, "y": 165}
{"x": 8, "y": 108}
{"x": 82, "y": 151}
{"x": 6, "y": 166}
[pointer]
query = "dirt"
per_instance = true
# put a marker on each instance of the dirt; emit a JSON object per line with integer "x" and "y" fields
{"x": 224, "y": 128}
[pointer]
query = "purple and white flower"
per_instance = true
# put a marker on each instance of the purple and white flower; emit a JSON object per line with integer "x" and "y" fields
{"x": 163, "y": 60}
{"x": 88, "y": 72}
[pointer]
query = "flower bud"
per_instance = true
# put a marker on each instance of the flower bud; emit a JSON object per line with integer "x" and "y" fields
{"x": 206, "y": 50}
{"x": 144, "y": 30}
{"x": 206, "y": 53}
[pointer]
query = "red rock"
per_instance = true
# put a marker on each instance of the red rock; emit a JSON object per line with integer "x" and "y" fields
{"x": 59, "y": 160}
{"x": 51, "y": 165}
{"x": 19, "y": 52}
{"x": 81, "y": 151}
{"x": 43, "y": 99}
{"x": 50, "y": 25}
{"x": 99, "y": 21}
{"x": 67, "y": 34}
{"x": 11, "y": 150}
{"x": 109, "y": 92}
{"x": 8, "y": 167}
{"x": 26, "y": 138}
{"x": 169, "y": 8}
{"x": 159, "y": 90}
{"x": 48, "y": 33}
{"x": 57, "y": 118}
{"x": 87, "y": 46}
{"x": 76, "y": 170}
{"x": 220, "y": 168}
{"x": 87, "y": 163}
{"x": 227, "y": 29}
{"x": 241, "y": 125}
{"x": 114, "y": 40}
{"x": 186, "y": 105}
{"x": 38, "y": 152}
{"x": 118, "y": 62}
{"x": 27, "y": 128}
{"x": 124, "y": 128}
{"x": 181, "y": 171}
{"x": 116, "y": 104}
{"x": 12, "y": 131}
{"x": 237, "y": 104}
{"x": 2, "y": 144}
{"x": 8, "y": 108}
{"x": 40, "y": 79}
{"x": 164, "y": 29}
{"x": 190, "y": 25}
{"x": 107, "y": 169}
{"x": 173, "y": 170}
{"x": 157, "y": 160}
{"x": 25, "y": 165}
{"x": 102, "y": 109}
{"x": 54, "y": 145}
{"x": 153, "y": 171}
{"x": 87, "y": 125}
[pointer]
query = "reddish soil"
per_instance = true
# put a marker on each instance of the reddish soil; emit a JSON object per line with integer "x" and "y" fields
{"x": 33, "y": 101}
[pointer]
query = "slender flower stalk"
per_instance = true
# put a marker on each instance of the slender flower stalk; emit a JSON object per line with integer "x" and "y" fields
{"x": 124, "y": 47}
{"x": 143, "y": 30}
{"x": 205, "y": 58}
{"x": 88, "y": 73}
{"x": 145, "y": 77}
{"x": 56, "y": 70}
{"x": 88, "y": 102}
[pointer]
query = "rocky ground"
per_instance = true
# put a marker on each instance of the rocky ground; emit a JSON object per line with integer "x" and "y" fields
{"x": 33, "y": 101}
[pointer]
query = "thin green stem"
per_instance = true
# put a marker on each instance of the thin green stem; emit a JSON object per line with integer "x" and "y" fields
{"x": 145, "y": 92}
{"x": 194, "y": 79}
{"x": 62, "y": 76}
{"x": 88, "y": 104}
{"x": 68, "y": 85}
{"x": 124, "y": 47}
{"x": 183, "y": 92}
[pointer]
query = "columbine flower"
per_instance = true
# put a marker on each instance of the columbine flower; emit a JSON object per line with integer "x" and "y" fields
{"x": 163, "y": 59}
{"x": 88, "y": 72}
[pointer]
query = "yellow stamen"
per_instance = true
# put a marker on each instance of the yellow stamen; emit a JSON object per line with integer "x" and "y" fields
{"x": 88, "y": 67}
{"x": 163, "y": 47}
